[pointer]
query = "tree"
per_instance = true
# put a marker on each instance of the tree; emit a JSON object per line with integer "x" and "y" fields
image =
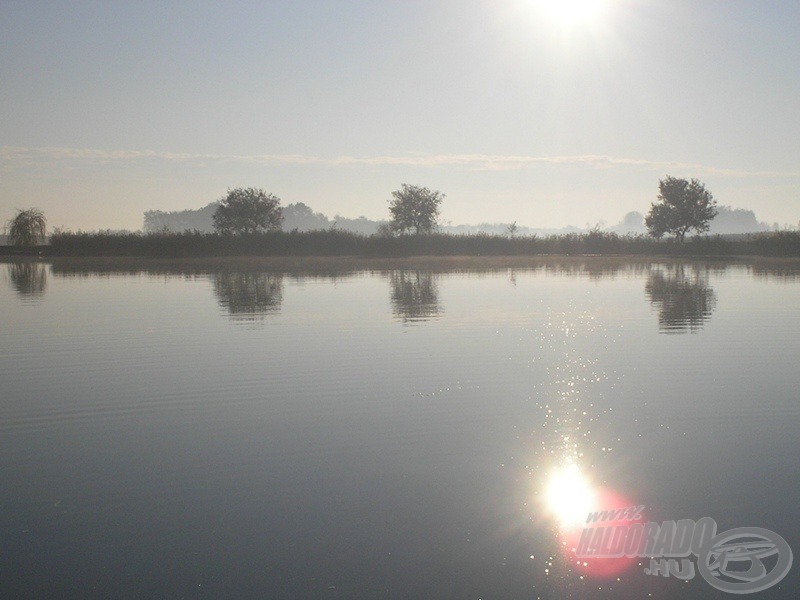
{"x": 248, "y": 210}
{"x": 683, "y": 206}
{"x": 415, "y": 208}
{"x": 28, "y": 228}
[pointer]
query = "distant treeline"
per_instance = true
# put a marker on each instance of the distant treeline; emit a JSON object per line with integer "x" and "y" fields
{"x": 301, "y": 217}
{"x": 295, "y": 216}
{"x": 332, "y": 242}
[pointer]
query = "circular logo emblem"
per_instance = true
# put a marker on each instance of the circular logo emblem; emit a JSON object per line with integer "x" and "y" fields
{"x": 733, "y": 561}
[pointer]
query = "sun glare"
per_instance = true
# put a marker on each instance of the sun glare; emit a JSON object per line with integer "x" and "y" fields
{"x": 573, "y": 12}
{"x": 569, "y": 497}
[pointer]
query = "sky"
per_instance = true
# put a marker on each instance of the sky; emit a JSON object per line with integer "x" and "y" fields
{"x": 545, "y": 112}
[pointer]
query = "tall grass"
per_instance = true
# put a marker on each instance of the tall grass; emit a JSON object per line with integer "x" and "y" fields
{"x": 343, "y": 243}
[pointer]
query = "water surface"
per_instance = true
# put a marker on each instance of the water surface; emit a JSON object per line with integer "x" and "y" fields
{"x": 236, "y": 430}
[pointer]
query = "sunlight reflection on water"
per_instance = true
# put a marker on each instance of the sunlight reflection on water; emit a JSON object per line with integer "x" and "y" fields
{"x": 397, "y": 432}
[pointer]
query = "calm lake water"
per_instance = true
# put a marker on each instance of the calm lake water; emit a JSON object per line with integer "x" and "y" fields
{"x": 224, "y": 430}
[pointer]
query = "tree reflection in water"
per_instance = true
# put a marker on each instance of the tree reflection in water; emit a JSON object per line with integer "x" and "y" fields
{"x": 29, "y": 279}
{"x": 249, "y": 296}
{"x": 683, "y": 297}
{"x": 415, "y": 295}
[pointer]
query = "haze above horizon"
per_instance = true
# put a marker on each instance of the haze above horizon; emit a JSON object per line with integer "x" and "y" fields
{"x": 517, "y": 110}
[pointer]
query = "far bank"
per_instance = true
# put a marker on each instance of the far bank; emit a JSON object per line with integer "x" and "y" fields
{"x": 336, "y": 243}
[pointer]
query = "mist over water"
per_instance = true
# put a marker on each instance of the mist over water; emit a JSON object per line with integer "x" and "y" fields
{"x": 224, "y": 429}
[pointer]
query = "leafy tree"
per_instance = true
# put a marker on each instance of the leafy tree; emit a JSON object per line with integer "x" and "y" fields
{"x": 415, "y": 208}
{"x": 248, "y": 210}
{"x": 683, "y": 206}
{"x": 28, "y": 228}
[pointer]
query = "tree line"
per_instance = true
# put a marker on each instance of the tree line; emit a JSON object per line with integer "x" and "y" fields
{"x": 413, "y": 209}
{"x": 249, "y": 221}
{"x": 682, "y": 206}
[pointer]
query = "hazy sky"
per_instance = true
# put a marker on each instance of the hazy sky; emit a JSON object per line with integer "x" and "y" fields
{"x": 514, "y": 109}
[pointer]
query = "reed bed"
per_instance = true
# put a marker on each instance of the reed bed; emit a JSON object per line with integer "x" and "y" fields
{"x": 344, "y": 243}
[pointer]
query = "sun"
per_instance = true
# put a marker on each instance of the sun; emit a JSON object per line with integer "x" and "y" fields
{"x": 573, "y": 12}
{"x": 568, "y": 495}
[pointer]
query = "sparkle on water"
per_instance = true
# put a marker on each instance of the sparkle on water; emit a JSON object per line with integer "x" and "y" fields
{"x": 569, "y": 496}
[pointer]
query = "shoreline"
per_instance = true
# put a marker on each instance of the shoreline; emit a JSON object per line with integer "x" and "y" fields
{"x": 423, "y": 262}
